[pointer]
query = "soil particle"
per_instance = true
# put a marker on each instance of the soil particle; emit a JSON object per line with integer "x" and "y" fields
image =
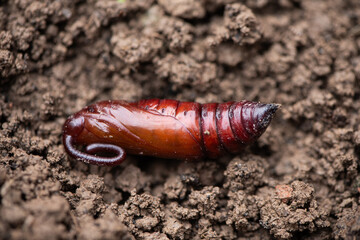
{"x": 240, "y": 25}
{"x": 183, "y": 71}
{"x": 300, "y": 214}
{"x": 183, "y": 213}
{"x": 2, "y": 176}
{"x": 132, "y": 48}
{"x": 5, "y": 40}
{"x": 174, "y": 188}
{"x": 348, "y": 225}
{"x": 108, "y": 226}
{"x": 6, "y": 59}
{"x": 142, "y": 213}
{"x": 206, "y": 230}
{"x": 156, "y": 235}
{"x": 41, "y": 218}
{"x": 356, "y": 138}
{"x": 183, "y": 8}
{"x": 244, "y": 174}
{"x": 176, "y": 33}
{"x": 342, "y": 83}
{"x": 205, "y": 200}
{"x": 177, "y": 229}
{"x": 200, "y": 174}
{"x": 132, "y": 178}
{"x": 284, "y": 192}
{"x": 90, "y": 202}
{"x": 230, "y": 55}
{"x": 10, "y": 62}
{"x": 244, "y": 211}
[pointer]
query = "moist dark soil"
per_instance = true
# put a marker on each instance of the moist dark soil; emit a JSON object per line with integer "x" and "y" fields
{"x": 300, "y": 180}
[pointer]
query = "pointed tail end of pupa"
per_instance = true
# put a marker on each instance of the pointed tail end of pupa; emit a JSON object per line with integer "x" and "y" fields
{"x": 263, "y": 114}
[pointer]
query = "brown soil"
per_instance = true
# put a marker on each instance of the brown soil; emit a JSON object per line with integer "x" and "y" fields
{"x": 300, "y": 180}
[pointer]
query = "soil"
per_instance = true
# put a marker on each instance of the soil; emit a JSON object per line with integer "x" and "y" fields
{"x": 300, "y": 180}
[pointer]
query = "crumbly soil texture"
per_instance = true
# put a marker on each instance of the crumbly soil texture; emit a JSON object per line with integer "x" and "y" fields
{"x": 300, "y": 180}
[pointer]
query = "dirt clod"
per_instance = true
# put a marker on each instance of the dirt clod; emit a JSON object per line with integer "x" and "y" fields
{"x": 284, "y": 192}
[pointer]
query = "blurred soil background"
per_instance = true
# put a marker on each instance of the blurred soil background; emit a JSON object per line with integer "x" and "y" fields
{"x": 299, "y": 181}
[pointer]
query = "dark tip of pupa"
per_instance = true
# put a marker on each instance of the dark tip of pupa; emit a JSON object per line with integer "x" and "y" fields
{"x": 272, "y": 107}
{"x": 265, "y": 114}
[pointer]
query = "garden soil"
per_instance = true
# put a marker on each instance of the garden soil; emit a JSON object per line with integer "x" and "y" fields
{"x": 300, "y": 180}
